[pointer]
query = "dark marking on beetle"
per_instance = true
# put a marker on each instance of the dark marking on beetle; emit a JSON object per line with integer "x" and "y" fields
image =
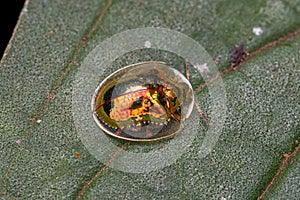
{"x": 173, "y": 100}
{"x": 107, "y": 107}
{"x": 136, "y": 104}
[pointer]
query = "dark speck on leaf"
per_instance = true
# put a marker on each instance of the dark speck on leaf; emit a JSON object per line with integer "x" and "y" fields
{"x": 238, "y": 54}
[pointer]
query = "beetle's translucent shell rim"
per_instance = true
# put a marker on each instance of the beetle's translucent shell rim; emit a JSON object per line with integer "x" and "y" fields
{"x": 104, "y": 128}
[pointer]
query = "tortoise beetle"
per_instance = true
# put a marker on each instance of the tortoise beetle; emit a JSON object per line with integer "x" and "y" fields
{"x": 146, "y": 101}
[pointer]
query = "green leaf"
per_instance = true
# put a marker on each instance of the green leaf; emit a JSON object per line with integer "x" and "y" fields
{"x": 257, "y": 154}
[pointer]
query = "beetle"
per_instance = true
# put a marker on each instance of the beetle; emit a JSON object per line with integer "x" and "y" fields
{"x": 146, "y": 101}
